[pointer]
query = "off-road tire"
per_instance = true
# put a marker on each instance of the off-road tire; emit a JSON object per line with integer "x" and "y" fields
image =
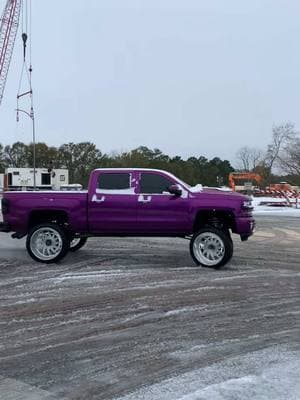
{"x": 79, "y": 245}
{"x": 221, "y": 242}
{"x": 56, "y": 235}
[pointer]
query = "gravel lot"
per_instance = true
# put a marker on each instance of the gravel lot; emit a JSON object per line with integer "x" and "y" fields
{"x": 136, "y": 319}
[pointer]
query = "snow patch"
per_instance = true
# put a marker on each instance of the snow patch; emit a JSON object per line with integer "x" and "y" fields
{"x": 260, "y": 207}
{"x": 183, "y": 310}
{"x": 272, "y": 373}
{"x": 196, "y": 189}
{"x": 87, "y": 276}
{"x": 116, "y": 191}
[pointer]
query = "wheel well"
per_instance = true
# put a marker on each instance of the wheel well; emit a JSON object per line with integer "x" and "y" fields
{"x": 43, "y": 216}
{"x": 219, "y": 219}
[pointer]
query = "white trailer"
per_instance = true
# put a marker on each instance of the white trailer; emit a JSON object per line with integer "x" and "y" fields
{"x": 22, "y": 178}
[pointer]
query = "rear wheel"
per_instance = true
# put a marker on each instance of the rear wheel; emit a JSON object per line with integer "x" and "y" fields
{"x": 211, "y": 247}
{"x": 77, "y": 243}
{"x": 47, "y": 243}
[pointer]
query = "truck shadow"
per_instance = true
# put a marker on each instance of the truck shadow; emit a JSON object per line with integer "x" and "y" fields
{"x": 112, "y": 253}
{"x": 86, "y": 259}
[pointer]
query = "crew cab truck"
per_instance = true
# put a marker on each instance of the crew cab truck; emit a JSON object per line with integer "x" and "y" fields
{"x": 129, "y": 202}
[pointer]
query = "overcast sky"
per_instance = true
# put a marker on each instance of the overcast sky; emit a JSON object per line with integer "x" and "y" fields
{"x": 191, "y": 77}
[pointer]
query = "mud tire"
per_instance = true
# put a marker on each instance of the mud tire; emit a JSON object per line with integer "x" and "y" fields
{"x": 79, "y": 245}
{"x": 47, "y": 243}
{"x": 211, "y": 247}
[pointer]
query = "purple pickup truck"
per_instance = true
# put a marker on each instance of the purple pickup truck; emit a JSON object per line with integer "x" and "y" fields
{"x": 129, "y": 202}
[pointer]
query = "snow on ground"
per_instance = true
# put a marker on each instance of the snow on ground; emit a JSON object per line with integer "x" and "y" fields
{"x": 260, "y": 207}
{"x": 272, "y": 373}
{"x": 134, "y": 319}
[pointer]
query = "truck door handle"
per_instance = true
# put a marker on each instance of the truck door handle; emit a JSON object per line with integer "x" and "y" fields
{"x": 96, "y": 200}
{"x": 144, "y": 199}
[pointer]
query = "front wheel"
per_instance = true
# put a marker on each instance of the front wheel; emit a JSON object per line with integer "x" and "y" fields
{"x": 77, "y": 243}
{"x": 211, "y": 247}
{"x": 47, "y": 243}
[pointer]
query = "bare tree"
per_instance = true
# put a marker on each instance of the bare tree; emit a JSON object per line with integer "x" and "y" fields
{"x": 289, "y": 158}
{"x": 282, "y": 135}
{"x": 249, "y": 157}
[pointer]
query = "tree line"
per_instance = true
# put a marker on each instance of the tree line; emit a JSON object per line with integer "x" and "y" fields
{"x": 81, "y": 158}
{"x": 280, "y": 161}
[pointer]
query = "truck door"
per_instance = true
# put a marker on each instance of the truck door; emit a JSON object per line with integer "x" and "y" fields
{"x": 158, "y": 211}
{"x": 112, "y": 207}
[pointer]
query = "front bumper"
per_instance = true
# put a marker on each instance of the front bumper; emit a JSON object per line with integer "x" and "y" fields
{"x": 245, "y": 227}
{"x": 4, "y": 227}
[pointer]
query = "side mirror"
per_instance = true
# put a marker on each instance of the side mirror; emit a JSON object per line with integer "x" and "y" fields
{"x": 175, "y": 189}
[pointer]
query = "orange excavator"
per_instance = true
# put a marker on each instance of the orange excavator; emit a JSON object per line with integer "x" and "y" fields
{"x": 243, "y": 176}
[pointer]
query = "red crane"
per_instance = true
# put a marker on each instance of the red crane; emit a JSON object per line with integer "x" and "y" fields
{"x": 9, "y": 24}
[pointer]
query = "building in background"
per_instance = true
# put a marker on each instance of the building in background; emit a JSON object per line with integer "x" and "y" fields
{"x": 22, "y": 179}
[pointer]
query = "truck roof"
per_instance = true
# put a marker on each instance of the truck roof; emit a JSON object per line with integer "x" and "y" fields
{"x": 186, "y": 185}
{"x": 132, "y": 169}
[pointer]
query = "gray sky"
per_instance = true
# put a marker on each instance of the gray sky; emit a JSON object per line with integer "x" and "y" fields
{"x": 191, "y": 77}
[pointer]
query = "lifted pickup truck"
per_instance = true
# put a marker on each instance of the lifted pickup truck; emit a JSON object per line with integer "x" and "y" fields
{"x": 129, "y": 202}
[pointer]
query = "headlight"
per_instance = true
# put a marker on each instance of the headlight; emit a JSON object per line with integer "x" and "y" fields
{"x": 247, "y": 205}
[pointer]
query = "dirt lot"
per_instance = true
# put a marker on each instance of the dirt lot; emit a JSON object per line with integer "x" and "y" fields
{"x": 137, "y": 316}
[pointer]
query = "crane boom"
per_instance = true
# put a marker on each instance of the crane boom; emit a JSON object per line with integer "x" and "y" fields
{"x": 8, "y": 30}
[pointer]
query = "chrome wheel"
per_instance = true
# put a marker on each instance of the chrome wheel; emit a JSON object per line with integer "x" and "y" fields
{"x": 46, "y": 244}
{"x": 209, "y": 249}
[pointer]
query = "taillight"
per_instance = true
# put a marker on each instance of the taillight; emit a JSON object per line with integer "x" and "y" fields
{"x": 5, "y": 206}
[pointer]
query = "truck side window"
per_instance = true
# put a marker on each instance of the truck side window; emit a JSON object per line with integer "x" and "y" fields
{"x": 114, "y": 181}
{"x": 154, "y": 183}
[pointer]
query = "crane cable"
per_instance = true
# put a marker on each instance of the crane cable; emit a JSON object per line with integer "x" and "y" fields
{"x": 26, "y": 36}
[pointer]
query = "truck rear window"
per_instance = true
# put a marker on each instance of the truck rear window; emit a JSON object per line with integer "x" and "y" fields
{"x": 114, "y": 181}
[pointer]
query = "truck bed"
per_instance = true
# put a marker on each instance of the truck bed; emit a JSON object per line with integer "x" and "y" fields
{"x": 73, "y": 203}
